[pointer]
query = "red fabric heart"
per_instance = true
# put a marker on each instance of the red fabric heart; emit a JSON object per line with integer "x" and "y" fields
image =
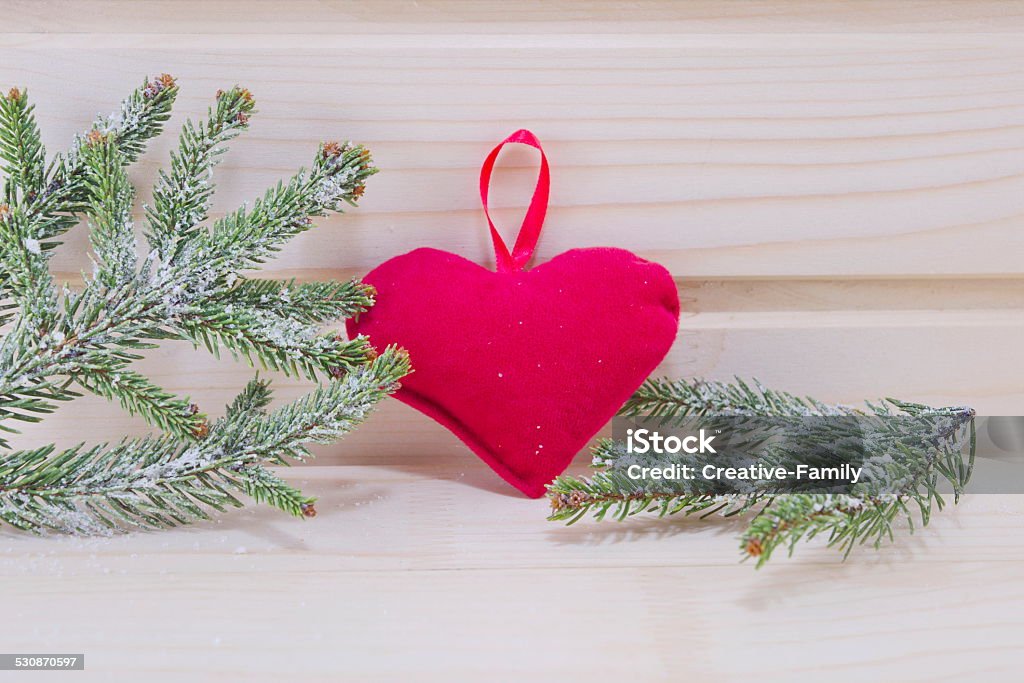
{"x": 524, "y": 366}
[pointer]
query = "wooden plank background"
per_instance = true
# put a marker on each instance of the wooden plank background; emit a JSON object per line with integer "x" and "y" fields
{"x": 838, "y": 189}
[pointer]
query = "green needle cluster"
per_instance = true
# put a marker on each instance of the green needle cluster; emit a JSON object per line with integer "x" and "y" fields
{"x": 191, "y": 282}
{"x": 916, "y": 451}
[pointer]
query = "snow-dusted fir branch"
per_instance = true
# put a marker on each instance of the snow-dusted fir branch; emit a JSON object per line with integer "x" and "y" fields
{"x": 912, "y": 449}
{"x": 160, "y": 482}
{"x": 52, "y": 201}
{"x": 250, "y": 235}
{"x": 190, "y": 294}
{"x": 676, "y": 399}
{"x": 22, "y": 155}
{"x": 181, "y": 198}
{"x": 190, "y": 285}
{"x": 110, "y": 197}
{"x": 306, "y": 302}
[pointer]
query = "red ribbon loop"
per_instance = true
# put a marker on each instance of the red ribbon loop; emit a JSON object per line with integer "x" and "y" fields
{"x": 529, "y": 233}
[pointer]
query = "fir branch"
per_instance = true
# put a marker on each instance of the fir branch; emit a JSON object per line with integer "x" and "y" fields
{"x": 24, "y": 274}
{"x": 29, "y": 402}
{"x": 330, "y": 410}
{"x": 189, "y": 288}
{"x": 138, "y": 483}
{"x": 927, "y": 456}
{"x": 110, "y": 198}
{"x": 181, "y": 199}
{"x": 252, "y": 400}
{"x": 21, "y": 149}
{"x": 139, "y": 396}
{"x": 159, "y": 483}
{"x": 190, "y": 295}
{"x": 308, "y": 302}
{"x": 247, "y": 237}
{"x": 611, "y": 492}
{"x": 868, "y": 518}
{"x": 278, "y": 343}
{"x": 141, "y": 116}
{"x": 264, "y": 487}
{"x": 675, "y": 399}
{"x": 847, "y": 520}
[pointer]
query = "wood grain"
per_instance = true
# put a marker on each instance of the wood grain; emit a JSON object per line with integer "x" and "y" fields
{"x": 747, "y": 158}
{"x": 426, "y": 17}
{"x": 842, "y": 342}
{"x": 838, "y": 189}
{"x": 429, "y": 573}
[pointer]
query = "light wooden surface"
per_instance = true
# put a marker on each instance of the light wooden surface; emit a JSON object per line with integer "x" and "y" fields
{"x": 425, "y": 573}
{"x": 838, "y": 188}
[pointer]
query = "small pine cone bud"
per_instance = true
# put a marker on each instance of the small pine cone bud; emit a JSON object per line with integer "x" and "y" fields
{"x": 754, "y": 547}
{"x": 557, "y": 502}
{"x": 308, "y": 510}
{"x": 371, "y": 354}
{"x": 220, "y": 94}
{"x": 5, "y": 212}
{"x": 13, "y": 94}
{"x": 369, "y": 290}
{"x": 358, "y": 190}
{"x": 95, "y": 137}
{"x": 193, "y": 409}
{"x": 202, "y": 430}
{"x": 332, "y": 150}
{"x": 242, "y": 118}
{"x": 571, "y": 501}
{"x": 158, "y": 85}
{"x": 246, "y": 96}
